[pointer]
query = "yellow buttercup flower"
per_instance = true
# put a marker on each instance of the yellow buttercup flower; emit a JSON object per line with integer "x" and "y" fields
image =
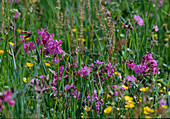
{"x": 19, "y": 30}
{"x": 148, "y": 117}
{"x": 32, "y": 1}
{"x": 1, "y": 52}
{"x": 12, "y": 43}
{"x": 147, "y": 109}
{"x": 84, "y": 117}
{"x": 144, "y": 89}
{"x": 155, "y": 36}
{"x": 128, "y": 98}
{"x": 164, "y": 106}
{"x": 9, "y": 51}
{"x": 116, "y": 73}
{"x": 87, "y": 109}
{"x": 125, "y": 87}
{"x": 165, "y": 25}
{"x": 159, "y": 84}
{"x": 81, "y": 39}
{"x": 74, "y": 30}
{"x": 166, "y": 39}
{"x": 108, "y": 96}
{"x": 117, "y": 109}
{"x": 24, "y": 79}
{"x": 108, "y": 110}
{"x": 29, "y": 64}
{"x": 47, "y": 64}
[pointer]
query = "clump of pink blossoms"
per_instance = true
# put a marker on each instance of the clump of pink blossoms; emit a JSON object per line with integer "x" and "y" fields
{"x": 148, "y": 65}
{"x": 138, "y": 20}
{"x": 6, "y": 97}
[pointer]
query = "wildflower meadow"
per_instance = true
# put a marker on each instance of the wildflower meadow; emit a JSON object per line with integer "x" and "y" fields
{"x": 84, "y": 59}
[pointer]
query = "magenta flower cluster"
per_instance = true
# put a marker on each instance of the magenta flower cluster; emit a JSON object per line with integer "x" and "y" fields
{"x": 148, "y": 65}
{"x": 58, "y": 75}
{"x": 138, "y": 20}
{"x": 6, "y": 97}
{"x": 85, "y": 71}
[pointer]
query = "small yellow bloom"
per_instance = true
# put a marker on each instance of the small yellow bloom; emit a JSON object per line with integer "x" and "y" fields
{"x": 24, "y": 79}
{"x": 159, "y": 84}
{"x": 12, "y": 43}
{"x": 130, "y": 106}
{"x": 47, "y": 64}
{"x": 128, "y": 98}
{"x": 164, "y": 88}
{"x": 84, "y": 117}
{"x": 147, "y": 109}
{"x": 87, "y": 109}
{"x": 164, "y": 106}
{"x": 116, "y": 73}
{"x": 32, "y": 1}
{"x": 108, "y": 96}
{"x": 84, "y": 29}
{"x": 84, "y": 40}
{"x": 117, "y": 109}
{"x": 27, "y": 38}
{"x": 165, "y": 25}
{"x": 166, "y": 39}
{"x": 144, "y": 89}
{"x": 148, "y": 117}
{"x": 1, "y": 52}
{"x": 9, "y": 51}
{"x": 29, "y": 64}
{"x": 19, "y": 30}
{"x": 161, "y": 91}
{"x": 145, "y": 112}
{"x": 74, "y": 30}
{"x": 169, "y": 93}
{"x": 125, "y": 87}
{"x": 108, "y": 110}
{"x": 155, "y": 36}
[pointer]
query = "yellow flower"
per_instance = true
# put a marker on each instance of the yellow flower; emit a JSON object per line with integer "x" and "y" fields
{"x": 24, "y": 79}
{"x": 125, "y": 87}
{"x": 169, "y": 93}
{"x": 84, "y": 29}
{"x": 144, "y": 89}
{"x": 29, "y": 64}
{"x": 164, "y": 106}
{"x": 166, "y": 39}
{"x": 27, "y": 38}
{"x": 87, "y": 109}
{"x": 145, "y": 112}
{"x": 164, "y": 88}
{"x": 116, "y": 73}
{"x": 159, "y": 84}
{"x": 108, "y": 96}
{"x": 47, "y": 64}
{"x": 1, "y": 52}
{"x": 81, "y": 39}
{"x": 32, "y": 1}
{"x": 108, "y": 110}
{"x": 84, "y": 117}
{"x": 117, "y": 109}
{"x": 74, "y": 30}
{"x": 155, "y": 36}
{"x": 147, "y": 109}
{"x": 161, "y": 91}
{"x": 128, "y": 98}
{"x": 12, "y": 43}
{"x": 148, "y": 117}
{"x": 165, "y": 25}
{"x": 9, "y": 51}
{"x": 19, "y": 30}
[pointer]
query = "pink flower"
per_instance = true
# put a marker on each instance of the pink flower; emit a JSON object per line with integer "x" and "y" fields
{"x": 160, "y": 2}
{"x": 85, "y": 71}
{"x": 11, "y": 102}
{"x": 98, "y": 62}
{"x": 16, "y": 15}
{"x": 156, "y": 28}
{"x": 92, "y": 65}
{"x": 138, "y": 20}
{"x": 37, "y": 88}
{"x": 116, "y": 93}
